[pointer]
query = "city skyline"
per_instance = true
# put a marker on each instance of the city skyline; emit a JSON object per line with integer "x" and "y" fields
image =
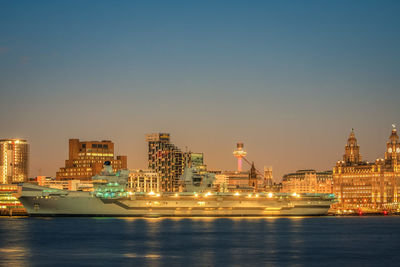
{"x": 289, "y": 81}
{"x": 276, "y": 178}
{"x": 204, "y": 133}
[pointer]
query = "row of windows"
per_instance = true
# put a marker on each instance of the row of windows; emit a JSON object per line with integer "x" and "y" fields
{"x": 96, "y": 145}
{"x": 71, "y": 174}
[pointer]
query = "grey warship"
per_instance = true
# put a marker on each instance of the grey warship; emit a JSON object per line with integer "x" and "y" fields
{"x": 111, "y": 198}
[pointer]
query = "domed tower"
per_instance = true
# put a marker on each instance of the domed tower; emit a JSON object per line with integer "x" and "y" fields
{"x": 392, "y": 153}
{"x": 352, "y": 150}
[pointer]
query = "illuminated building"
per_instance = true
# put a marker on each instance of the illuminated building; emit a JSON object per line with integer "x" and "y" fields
{"x": 71, "y": 185}
{"x": 245, "y": 181}
{"x": 167, "y": 160}
{"x": 9, "y": 204}
{"x": 144, "y": 181}
{"x": 238, "y": 181}
{"x": 221, "y": 183}
{"x": 268, "y": 177}
{"x": 307, "y": 181}
{"x": 239, "y": 153}
{"x": 253, "y": 177}
{"x": 86, "y": 160}
{"x": 253, "y": 180}
{"x": 14, "y": 154}
{"x": 368, "y": 187}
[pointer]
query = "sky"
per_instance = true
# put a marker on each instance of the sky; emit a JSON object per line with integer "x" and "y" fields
{"x": 290, "y": 79}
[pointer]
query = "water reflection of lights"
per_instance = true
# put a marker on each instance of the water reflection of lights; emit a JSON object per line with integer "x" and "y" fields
{"x": 17, "y": 252}
{"x": 134, "y": 255}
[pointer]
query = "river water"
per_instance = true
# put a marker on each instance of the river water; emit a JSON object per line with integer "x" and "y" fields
{"x": 300, "y": 241}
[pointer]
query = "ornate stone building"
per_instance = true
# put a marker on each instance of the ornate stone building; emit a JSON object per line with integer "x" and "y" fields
{"x": 368, "y": 187}
{"x": 307, "y": 181}
{"x": 144, "y": 181}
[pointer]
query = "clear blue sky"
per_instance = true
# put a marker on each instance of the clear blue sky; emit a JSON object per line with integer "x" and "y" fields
{"x": 288, "y": 78}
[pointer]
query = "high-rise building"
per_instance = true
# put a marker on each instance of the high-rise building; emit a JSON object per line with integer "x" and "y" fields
{"x": 368, "y": 187}
{"x": 86, "y": 159}
{"x": 14, "y": 155}
{"x": 167, "y": 160}
{"x": 307, "y": 181}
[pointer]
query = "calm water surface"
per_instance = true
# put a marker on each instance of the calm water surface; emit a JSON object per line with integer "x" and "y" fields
{"x": 315, "y": 241}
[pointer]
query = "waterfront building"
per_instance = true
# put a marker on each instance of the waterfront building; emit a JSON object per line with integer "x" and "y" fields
{"x": 14, "y": 159}
{"x": 144, "y": 181}
{"x": 167, "y": 160}
{"x": 234, "y": 181}
{"x": 71, "y": 185}
{"x": 276, "y": 187}
{"x": 9, "y": 204}
{"x": 221, "y": 182}
{"x": 244, "y": 181}
{"x": 238, "y": 181}
{"x": 368, "y": 187}
{"x": 268, "y": 177}
{"x": 253, "y": 177}
{"x": 307, "y": 181}
{"x": 86, "y": 160}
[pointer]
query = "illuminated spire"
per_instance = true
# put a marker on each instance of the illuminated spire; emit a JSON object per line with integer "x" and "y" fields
{"x": 352, "y": 138}
{"x": 392, "y": 153}
{"x": 352, "y": 150}
{"x": 394, "y": 138}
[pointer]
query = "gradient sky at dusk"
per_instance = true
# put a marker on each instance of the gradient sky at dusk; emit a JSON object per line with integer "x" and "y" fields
{"x": 288, "y": 78}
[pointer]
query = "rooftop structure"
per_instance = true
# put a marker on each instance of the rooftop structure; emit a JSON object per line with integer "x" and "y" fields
{"x": 239, "y": 153}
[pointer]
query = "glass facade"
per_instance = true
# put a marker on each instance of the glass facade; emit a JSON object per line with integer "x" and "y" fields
{"x": 14, "y": 154}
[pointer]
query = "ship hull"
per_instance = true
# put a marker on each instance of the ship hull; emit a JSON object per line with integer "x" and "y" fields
{"x": 86, "y": 205}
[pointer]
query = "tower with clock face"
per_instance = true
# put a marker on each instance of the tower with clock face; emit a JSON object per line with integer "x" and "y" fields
{"x": 352, "y": 150}
{"x": 392, "y": 154}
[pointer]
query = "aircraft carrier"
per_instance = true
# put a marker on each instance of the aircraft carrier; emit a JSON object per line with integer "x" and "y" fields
{"x": 110, "y": 198}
